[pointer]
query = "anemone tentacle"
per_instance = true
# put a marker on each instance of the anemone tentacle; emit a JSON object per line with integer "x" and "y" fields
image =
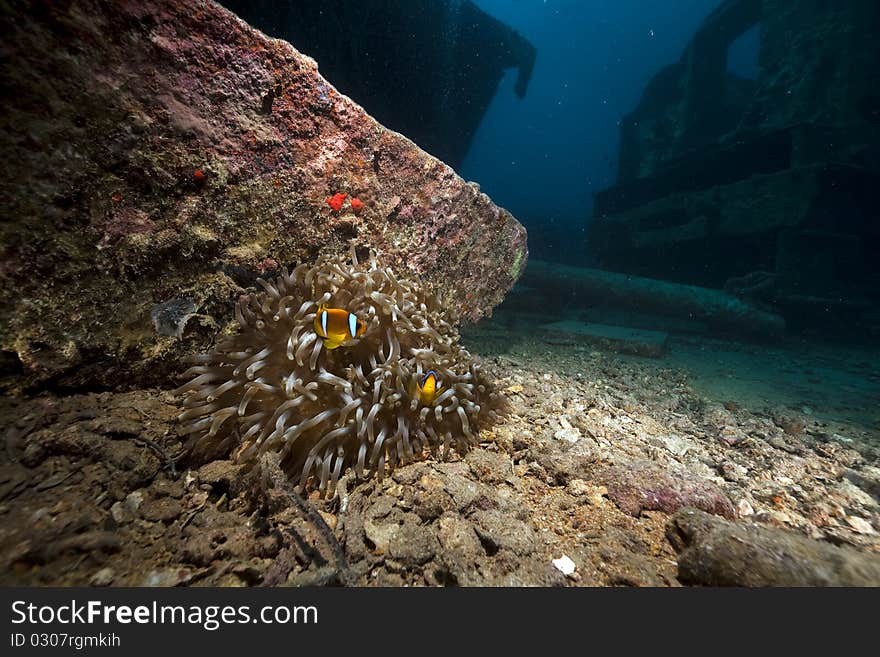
{"x": 273, "y": 386}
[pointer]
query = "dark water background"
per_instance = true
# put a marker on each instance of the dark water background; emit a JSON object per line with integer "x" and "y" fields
{"x": 543, "y": 156}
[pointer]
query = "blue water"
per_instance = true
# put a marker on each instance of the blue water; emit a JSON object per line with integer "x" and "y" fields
{"x": 544, "y": 156}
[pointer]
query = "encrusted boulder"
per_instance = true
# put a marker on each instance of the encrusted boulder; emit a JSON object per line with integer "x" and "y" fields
{"x": 645, "y": 486}
{"x": 714, "y": 552}
{"x": 159, "y": 156}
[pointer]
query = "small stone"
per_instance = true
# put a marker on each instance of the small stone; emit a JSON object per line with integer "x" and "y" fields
{"x": 458, "y": 540}
{"x": 792, "y": 426}
{"x": 733, "y": 471}
{"x": 380, "y": 535}
{"x": 133, "y": 501}
{"x": 731, "y": 435}
{"x": 103, "y": 577}
{"x": 120, "y": 513}
{"x": 565, "y": 565}
{"x": 164, "y": 487}
{"x": 164, "y": 509}
{"x": 867, "y": 478}
{"x": 231, "y": 580}
{"x": 571, "y": 435}
{"x": 489, "y": 467}
{"x": 498, "y": 530}
{"x": 413, "y": 544}
{"x": 860, "y": 525}
{"x": 169, "y": 577}
{"x": 578, "y": 487}
{"x": 329, "y": 518}
{"x": 223, "y": 473}
{"x": 431, "y": 503}
{"x": 38, "y": 515}
{"x": 780, "y": 518}
{"x": 743, "y": 508}
{"x": 677, "y": 445}
{"x": 34, "y": 454}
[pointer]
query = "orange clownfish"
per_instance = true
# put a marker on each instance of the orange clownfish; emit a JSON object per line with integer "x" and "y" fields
{"x": 336, "y": 325}
{"x": 427, "y": 388}
{"x": 336, "y": 201}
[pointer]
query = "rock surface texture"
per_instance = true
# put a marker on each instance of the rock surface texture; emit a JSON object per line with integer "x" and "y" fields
{"x": 159, "y": 156}
{"x": 448, "y": 67}
{"x": 714, "y": 552}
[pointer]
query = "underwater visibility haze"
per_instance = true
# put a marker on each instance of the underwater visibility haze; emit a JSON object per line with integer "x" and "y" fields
{"x": 440, "y": 293}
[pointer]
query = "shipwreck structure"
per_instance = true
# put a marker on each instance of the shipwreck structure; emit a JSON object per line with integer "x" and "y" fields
{"x": 425, "y": 68}
{"x": 766, "y": 187}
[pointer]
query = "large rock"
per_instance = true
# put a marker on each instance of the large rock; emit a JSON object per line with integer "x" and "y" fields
{"x": 646, "y": 486}
{"x": 160, "y": 155}
{"x": 439, "y": 36}
{"x": 714, "y": 552}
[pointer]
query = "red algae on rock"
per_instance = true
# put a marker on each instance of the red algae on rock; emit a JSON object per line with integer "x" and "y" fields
{"x": 173, "y": 89}
{"x": 645, "y": 486}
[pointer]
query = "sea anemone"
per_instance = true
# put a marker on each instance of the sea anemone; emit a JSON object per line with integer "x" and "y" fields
{"x": 276, "y": 387}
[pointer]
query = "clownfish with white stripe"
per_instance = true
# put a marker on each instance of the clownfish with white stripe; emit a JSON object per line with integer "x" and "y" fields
{"x": 427, "y": 388}
{"x": 335, "y": 326}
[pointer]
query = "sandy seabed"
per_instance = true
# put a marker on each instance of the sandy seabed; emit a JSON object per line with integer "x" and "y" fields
{"x": 598, "y": 460}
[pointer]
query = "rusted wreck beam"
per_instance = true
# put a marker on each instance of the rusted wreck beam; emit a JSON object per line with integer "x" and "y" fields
{"x": 646, "y": 295}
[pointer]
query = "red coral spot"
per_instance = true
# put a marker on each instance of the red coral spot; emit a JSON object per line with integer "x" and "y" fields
{"x": 336, "y": 201}
{"x": 357, "y": 205}
{"x": 199, "y": 176}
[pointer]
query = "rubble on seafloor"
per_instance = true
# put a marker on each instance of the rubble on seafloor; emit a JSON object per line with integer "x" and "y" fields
{"x": 597, "y": 462}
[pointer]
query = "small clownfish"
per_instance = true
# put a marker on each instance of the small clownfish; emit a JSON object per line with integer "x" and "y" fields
{"x": 336, "y": 201}
{"x": 427, "y": 388}
{"x": 357, "y": 205}
{"x": 336, "y": 325}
